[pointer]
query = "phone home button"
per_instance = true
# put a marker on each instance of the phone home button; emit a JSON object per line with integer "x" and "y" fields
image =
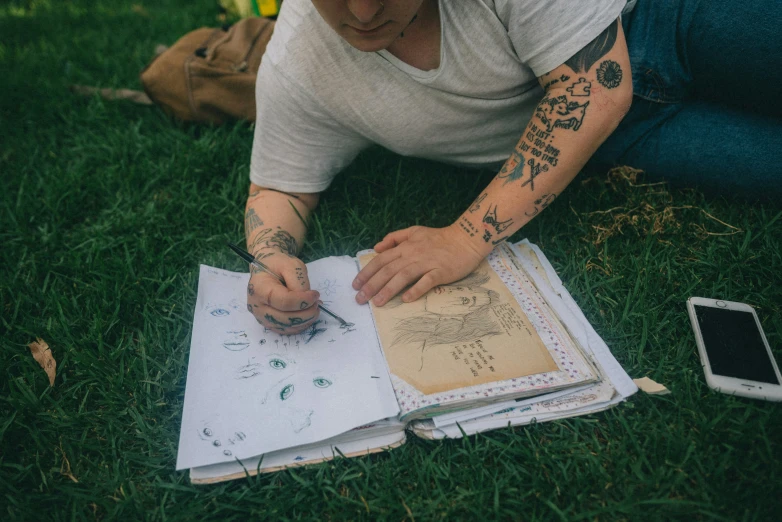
{"x": 721, "y": 304}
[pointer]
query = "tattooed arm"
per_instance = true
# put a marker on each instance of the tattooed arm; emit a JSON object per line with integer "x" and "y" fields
{"x": 585, "y": 99}
{"x": 275, "y": 226}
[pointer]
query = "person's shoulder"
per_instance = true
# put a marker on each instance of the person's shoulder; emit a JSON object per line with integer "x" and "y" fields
{"x": 299, "y": 34}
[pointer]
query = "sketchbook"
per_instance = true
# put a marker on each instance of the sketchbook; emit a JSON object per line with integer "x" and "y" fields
{"x": 505, "y": 346}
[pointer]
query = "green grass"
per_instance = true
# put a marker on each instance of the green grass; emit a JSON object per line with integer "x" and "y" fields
{"x": 108, "y": 209}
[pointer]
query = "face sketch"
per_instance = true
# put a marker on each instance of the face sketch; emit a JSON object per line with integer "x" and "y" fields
{"x": 289, "y": 396}
{"x": 456, "y": 300}
{"x": 223, "y": 443}
{"x": 368, "y": 25}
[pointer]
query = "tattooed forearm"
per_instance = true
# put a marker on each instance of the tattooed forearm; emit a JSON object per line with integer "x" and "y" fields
{"x": 281, "y": 240}
{"x": 561, "y": 112}
{"x": 555, "y": 81}
{"x": 490, "y": 220}
{"x": 609, "y": 74}
{"x": 467, "y": 226}
{"x": 513, "y": 168}
{"x": 594, "y": 50}
{"x": 251, "y": 221}
{"x": 476, "y": 205}
{"x": 285, "y": 242}
{"x": 541, "y": 203}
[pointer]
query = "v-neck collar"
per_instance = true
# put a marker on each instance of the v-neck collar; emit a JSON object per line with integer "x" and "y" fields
{"x": 415, "y": 71}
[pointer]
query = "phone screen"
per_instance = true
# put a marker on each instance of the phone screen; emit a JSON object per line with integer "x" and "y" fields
{"x": 734, "y": 345}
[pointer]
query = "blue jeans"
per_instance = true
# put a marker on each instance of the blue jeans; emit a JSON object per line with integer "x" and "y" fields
{"x": 707, "y": 104}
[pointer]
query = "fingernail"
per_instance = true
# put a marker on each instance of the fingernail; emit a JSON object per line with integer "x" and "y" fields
{"x": 361, "y": 297}
{"x": 356, "y": 284}
{"x": 317, "y": 294}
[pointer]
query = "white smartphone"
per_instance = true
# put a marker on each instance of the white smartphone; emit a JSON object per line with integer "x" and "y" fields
{"x": 734, "y": 351}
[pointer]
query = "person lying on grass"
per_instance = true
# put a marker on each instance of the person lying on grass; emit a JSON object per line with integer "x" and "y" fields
{"x": 469, "y": 82}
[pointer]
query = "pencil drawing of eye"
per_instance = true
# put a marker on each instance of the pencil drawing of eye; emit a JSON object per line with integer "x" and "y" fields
{"x": 207, "y": 432}
{"x": 277, "y": 364}
{"x": 321, "y": 382}
{"x": 227, "y": 453}
{"x": 220, "y": 312}
{"x": 217, "y": 444}
{"x": 286, "y": 392}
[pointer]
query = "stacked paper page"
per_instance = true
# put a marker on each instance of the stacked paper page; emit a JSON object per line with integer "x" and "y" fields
{"x": 250, "y": 391}
{"x": 468, "y": 343}
{"x": 614, "y": 386}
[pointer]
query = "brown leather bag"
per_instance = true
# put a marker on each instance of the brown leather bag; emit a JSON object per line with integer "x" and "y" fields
{"x": 209, "y": 74}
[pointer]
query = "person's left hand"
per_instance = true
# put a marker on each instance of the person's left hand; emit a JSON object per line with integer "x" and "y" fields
{"x": 425, "y": 256}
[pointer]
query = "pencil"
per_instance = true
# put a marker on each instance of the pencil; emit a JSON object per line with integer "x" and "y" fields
{"x": 256, "y": 263}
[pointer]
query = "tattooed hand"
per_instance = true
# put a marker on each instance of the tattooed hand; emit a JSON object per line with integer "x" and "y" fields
{"x": 285, "y": 309}
{"x": 422, "y": 256}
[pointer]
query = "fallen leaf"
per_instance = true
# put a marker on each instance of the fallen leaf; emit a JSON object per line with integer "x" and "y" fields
{"x": 43, "y": 354}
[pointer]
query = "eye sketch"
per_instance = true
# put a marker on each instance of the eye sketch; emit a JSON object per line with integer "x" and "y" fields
{"x": 289, "y": 398}
{"x": 222, "y": 309}
{"x": 237, "y": 341}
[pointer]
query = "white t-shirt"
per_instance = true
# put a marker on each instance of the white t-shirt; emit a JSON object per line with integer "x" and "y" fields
{"x": 321, "y": 101}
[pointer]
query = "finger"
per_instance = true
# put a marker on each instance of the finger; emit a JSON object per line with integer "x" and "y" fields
{"x": 287, "y": 323}
{"x": 268, "y": 291}
{"x": 427, "y": 281}
{"x": 394, "y": 239}
{"x": 402, "y": 279}
{"x": 380, "y": 279}
{"x": 295, "y": 275}
{"x": 372, "y": 268}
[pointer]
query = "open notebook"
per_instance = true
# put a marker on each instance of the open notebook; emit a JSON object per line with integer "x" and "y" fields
{"x": 503, "y": 346}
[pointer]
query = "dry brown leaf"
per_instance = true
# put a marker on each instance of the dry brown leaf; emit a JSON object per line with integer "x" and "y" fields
{"x": 43, "y": 354}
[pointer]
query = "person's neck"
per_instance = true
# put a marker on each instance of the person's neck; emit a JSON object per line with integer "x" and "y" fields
{"x": 419, "y": 43}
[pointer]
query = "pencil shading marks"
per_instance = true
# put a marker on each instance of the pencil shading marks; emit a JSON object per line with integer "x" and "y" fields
{"x": 313, "y": 331}
{"x": 237, "y": 341}
{"x": 347, "y": 327}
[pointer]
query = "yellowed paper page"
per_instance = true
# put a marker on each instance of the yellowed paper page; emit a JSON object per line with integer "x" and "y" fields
{"x": 463, "y": 334}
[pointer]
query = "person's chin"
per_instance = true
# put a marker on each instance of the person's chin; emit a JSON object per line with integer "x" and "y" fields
{"x": 368, "y": 43}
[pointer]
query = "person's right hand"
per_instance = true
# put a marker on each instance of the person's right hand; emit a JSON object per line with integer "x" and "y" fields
{"x": 285, "y": 309}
